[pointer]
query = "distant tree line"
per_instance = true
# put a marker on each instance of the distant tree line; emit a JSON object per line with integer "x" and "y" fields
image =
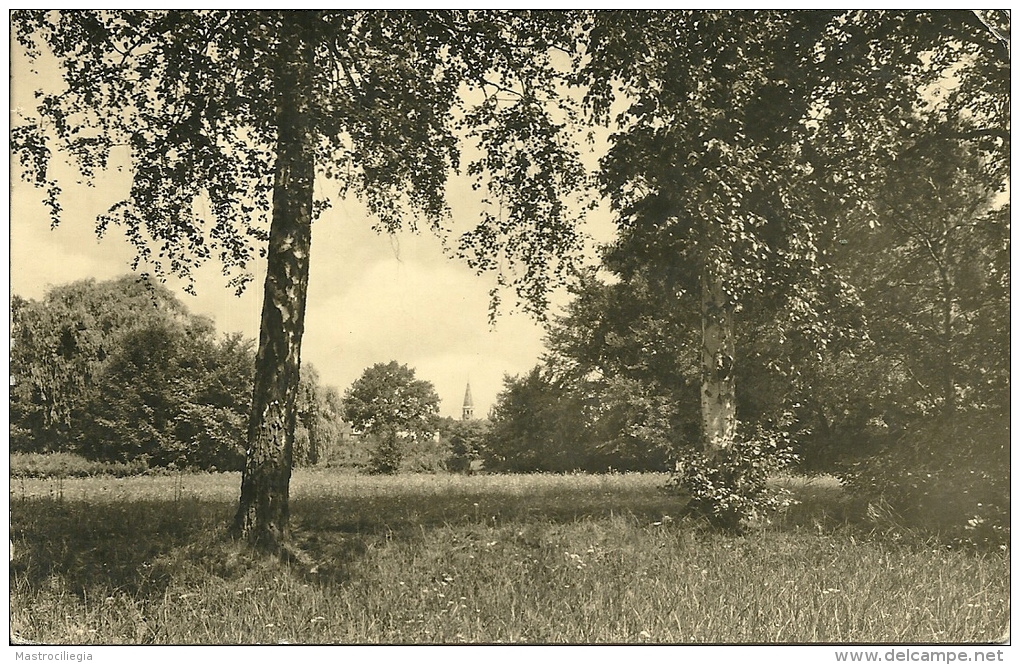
{"x": 120, "y": 371}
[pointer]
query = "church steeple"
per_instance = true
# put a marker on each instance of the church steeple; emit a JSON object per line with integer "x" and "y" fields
{"x": 469, "y": 406}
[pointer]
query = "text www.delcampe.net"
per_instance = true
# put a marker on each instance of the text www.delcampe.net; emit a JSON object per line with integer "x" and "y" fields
{"x": 920, "y": 656}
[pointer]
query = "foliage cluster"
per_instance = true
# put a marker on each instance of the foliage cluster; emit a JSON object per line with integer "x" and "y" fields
{"x": 731, "y": 486}
{"x": 69, "y": 465}
{"x": 536, "y": 425}
{"x": 541, "y": 423}
{"x": 121, "y": 372}
{"x": 452, "y": 447}
{"x": 321, "y": 432}
{"x": 393, "y": 407}
{"x": 949, "y": 476}
{"x": 465, "y": 443}
{"x": 169, "y": 395}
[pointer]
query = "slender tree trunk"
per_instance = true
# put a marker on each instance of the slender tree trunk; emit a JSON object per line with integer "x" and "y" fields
{"x": 948, "y": 358}
{"x": 265, "y": 486}
{"x": 718, "y": 393}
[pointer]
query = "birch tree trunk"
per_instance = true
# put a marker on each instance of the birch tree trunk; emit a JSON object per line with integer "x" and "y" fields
{"x": 718, "y": 395}
{"x": 263, "y": 512}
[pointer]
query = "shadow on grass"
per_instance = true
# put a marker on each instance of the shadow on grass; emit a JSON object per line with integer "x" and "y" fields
{"x": 822, "y": 504}
{"x": 143, "y": 546}
{"x": 78, "y": 545}
{"x": 409, "y": 511}
{"x": 335, "y": 531}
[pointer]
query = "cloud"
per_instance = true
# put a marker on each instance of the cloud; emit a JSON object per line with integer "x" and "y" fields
{"x": 432, "y": 317}
{"x": 41, "y": 257}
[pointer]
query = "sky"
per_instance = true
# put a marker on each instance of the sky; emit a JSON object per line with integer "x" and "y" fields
{"x": 371, "y": 298}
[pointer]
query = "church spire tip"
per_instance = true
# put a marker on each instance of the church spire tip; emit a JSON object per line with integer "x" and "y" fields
{"x": 468, "y": 412}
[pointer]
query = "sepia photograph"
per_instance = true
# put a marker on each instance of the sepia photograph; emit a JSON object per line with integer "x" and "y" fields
{"x": 680, "y": 330}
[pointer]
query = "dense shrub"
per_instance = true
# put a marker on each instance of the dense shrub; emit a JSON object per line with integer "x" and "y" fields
{"x": 121, "y": 372}
{"x": 730, "y": 488}
{"x": 426, "y": 454}
{"x": 320, "y": 432}
{"x": 352, "y": 454}
{"x": 542, "y": 422}
{"x": 20, "y": 438}
{"x": 537, "y": 424}
{"x": 69, "y": 465}
{"x": 170, "y": 394}
{"x": 949, "y": 476}
{"x": 386, "y": 455}
{"x": 636, "y": 426}
{"x": 464, "y": 440}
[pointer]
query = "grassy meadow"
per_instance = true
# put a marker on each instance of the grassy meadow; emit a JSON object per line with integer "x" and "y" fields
{"x": 476, "y": 559}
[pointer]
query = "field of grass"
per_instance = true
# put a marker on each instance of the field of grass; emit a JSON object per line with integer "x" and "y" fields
{"x": 480, "y": 559}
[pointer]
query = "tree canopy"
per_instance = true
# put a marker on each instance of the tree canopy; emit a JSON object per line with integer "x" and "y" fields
{"x": 389, "y": 403}
{"x": 120, "y": 371}
{"x": 399, "y": 100}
